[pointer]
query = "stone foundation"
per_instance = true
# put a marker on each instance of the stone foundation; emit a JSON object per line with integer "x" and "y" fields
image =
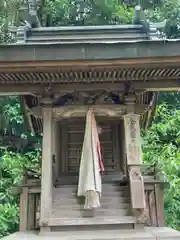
{"x": 149, "y": 233}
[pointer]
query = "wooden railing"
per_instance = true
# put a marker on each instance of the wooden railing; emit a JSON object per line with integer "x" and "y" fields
{"x": 29, "y": 208}
{"x": 154, "y": 194}
{"x": 154, "y": 185}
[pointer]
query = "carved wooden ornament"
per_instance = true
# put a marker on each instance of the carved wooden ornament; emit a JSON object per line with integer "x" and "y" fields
{"x": 133, "y": 140}
{"x": 80, "y": 111}
{"x": 134, "y": 160}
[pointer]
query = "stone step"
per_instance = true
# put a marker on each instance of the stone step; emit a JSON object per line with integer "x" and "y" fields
{"x": 109, "y": 187}
{"x": 111, "y": 178}
{"x": 139, "y": 234}
{"x": 107, "y": 191}
{"x": 149, "y": 233}
{"x": 69, "y": 194}
{"x": 85, "y": 213}
{"x": 80, "y": 206}
{"x": 104, "y": 201}
{"x": 104, "y": 188}
{"x": 115, "y": 203}
{"x": 91, "y": 221}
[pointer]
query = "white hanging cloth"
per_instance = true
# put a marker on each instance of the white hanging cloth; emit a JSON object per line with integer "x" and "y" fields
{"x": 91, "y": 165}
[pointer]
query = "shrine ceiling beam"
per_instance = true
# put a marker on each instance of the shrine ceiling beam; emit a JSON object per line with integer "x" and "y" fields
{"x": 28, "y": 89}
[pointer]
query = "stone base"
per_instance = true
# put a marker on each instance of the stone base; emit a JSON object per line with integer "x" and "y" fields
{"x": 164, "y": 233}
{"x": 149, "y": 233}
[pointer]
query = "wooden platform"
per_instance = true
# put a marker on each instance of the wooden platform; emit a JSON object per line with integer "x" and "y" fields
{"x": 150, "y": 233}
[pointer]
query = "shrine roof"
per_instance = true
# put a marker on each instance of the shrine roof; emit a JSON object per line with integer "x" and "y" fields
{"x": 85, "y": 34}
{"x": 100, "y": 50}
{"x": 87, "y": 43}
{"x": 81, "y": 57}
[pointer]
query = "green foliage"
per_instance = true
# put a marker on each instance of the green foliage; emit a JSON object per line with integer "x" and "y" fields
{"x": 169, "y": 11}
{"x": 8, "y": 16}
{"x": 171, "y": 99}
{"x": 11, "y": 118}
{"x": 162, "y": 146}
{"x": 11, "y": 173}
{"x": 90, "y": 12}
{"x": 8, "y": 218}
{"x": 12, "y": 164}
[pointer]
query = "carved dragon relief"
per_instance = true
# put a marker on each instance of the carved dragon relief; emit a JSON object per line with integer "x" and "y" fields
{"x": 88, "y": 98}
{"x": 69, "y": 104}
{"x": 74, "y": 99}
{"x": 77, "y": 103}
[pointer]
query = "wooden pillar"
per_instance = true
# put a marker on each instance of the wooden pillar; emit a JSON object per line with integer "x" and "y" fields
{"x": 23, "y": 226}
{"x": 54, "y": 151}
{"x": 57, "y": 146}
{"x": 31, "y": 211}
{"x": 159, "y": 199}
{"x": 46, "y": 176}
{"x": 122, "y": 149}
{"x": 134, "y": 159}
{"x": 58, "y": 149}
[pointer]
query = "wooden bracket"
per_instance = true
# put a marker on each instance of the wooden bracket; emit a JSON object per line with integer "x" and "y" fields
{"x": 47, "y": 95}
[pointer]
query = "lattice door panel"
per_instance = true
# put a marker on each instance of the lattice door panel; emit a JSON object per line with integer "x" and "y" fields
{"x": 75, "y": 136}
{"x": 75, "y": 141}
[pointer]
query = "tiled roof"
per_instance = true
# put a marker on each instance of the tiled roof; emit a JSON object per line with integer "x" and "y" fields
{"x": 86, "y": 34}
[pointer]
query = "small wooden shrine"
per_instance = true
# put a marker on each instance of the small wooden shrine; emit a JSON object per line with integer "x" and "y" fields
{"x": 60, "y": 73}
